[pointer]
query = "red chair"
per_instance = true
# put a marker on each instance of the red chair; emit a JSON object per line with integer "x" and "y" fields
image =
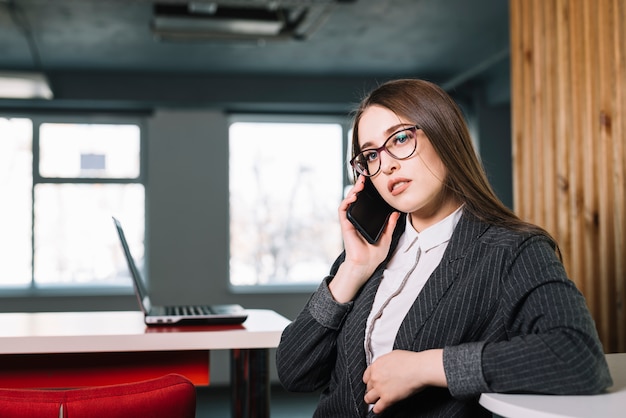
{"x": 170, "y": 396}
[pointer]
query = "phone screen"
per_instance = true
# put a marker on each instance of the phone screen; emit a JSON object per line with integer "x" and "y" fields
{"x": 369, "y": 213}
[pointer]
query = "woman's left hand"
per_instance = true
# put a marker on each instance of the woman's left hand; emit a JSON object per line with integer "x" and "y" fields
{"x": 399, "y": 374}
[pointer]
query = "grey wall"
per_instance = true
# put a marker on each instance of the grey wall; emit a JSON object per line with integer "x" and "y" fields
{"x": 494, "y": 131}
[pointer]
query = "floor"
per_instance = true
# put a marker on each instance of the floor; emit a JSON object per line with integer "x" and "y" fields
{"x": 214, "y": 402}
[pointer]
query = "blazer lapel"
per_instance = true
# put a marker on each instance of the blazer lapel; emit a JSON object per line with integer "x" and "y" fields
{"x": 353, "y": 344}
{"x": 355, "y": 337}
{"x": 467, "y": 231}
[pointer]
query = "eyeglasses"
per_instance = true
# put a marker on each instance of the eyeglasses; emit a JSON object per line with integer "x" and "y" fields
{"x": 400, "y": 145}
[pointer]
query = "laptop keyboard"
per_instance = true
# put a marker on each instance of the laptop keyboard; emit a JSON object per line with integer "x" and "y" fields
{"x": 187, "y": 310}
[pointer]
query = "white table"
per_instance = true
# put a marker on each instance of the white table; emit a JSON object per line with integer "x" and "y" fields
{"x": 611, "y": 404}
{"x": 74, "y": 349}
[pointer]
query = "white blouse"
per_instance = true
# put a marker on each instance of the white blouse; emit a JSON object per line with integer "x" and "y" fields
{"x": 416, "y": 257}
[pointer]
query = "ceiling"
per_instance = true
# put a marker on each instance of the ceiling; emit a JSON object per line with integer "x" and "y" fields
{"x": 104, "y": 53}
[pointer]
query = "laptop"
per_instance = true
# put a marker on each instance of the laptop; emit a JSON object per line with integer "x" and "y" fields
{"x": 177, "y": 315}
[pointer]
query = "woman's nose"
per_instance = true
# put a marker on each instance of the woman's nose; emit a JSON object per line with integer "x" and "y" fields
{"x": 388, "y": 164}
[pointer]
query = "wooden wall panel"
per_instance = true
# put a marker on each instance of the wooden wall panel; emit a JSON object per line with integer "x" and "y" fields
{"x": 568, "y": 81}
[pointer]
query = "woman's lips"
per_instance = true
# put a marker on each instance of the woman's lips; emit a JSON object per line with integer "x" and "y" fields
{"x": 397, "y": 186}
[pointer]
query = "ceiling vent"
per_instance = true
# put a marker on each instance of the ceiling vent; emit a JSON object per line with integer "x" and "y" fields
{"x": 240, "y": 19}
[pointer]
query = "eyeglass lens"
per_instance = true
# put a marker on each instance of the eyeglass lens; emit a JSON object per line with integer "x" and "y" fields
{"x": 400, "y": 145}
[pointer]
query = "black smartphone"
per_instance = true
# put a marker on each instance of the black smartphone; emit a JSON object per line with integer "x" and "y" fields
{"x": 369, "y": 213}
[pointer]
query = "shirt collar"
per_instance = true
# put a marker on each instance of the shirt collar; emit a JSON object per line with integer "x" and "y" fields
{"x": 431, "y": 237}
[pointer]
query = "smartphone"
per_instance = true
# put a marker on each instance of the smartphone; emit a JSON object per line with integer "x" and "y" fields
{"x": 369, "y": 213}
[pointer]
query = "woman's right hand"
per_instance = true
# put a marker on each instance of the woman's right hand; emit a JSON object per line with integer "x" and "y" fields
{"x": 362, "y": 258}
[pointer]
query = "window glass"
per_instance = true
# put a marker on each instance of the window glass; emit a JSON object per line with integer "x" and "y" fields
{"x": 89, "y": 150}
{"x": 60, "y": 185}
{"x": 16, "y": 182}
{"x": 286, "y": 182}
{"x": 75, "y": 241}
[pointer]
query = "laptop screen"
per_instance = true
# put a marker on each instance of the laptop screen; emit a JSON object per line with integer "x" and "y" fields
{"x": 140, "y": 289}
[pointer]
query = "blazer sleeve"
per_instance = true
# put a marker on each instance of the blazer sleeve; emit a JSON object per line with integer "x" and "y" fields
{"x": 550, "y": 342}
{"x": 306, "y": 354}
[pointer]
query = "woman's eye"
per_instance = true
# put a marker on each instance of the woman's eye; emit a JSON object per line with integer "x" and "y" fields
{"x": 371, "y": 156}
{"x": 401, "y": 138}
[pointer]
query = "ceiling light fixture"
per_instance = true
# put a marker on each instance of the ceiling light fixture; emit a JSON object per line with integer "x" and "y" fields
{"x": 24, "y": 85}
{"x": 225, "y": 20}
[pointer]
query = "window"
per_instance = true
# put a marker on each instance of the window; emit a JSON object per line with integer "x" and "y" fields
{"x": 286, "y": 182}
{"x": 62, "y": 181}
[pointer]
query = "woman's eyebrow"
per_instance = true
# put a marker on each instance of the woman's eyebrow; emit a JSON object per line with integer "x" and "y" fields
{"x": 395, "y": 128}
{"x": 388, "y": 132}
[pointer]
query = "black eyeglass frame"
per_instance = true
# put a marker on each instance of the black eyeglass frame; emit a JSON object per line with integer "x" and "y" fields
{"x": 383, "y": 147}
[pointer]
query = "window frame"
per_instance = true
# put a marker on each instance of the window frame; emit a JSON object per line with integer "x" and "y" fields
{"x": 345, "y": 122}
{"x": 37, "y": 119}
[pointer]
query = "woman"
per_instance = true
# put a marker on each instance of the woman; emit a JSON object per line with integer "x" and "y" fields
{"x": 457, "y": 298}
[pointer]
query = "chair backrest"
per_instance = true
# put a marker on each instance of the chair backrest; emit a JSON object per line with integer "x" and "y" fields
{"x": 170, "y": 396}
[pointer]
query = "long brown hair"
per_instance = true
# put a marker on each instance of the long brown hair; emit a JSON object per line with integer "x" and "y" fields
{"x": 438, "y": 116}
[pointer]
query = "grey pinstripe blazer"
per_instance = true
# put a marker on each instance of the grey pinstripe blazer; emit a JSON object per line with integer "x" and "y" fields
{"x": 499, "y": 303}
